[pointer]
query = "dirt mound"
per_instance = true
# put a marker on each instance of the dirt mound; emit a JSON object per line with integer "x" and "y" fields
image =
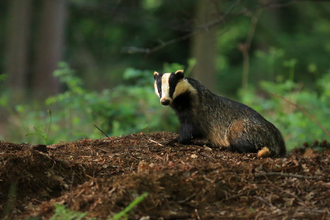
{"x": 102, "y": 177}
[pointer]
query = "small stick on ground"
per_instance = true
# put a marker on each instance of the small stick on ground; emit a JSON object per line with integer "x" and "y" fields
{"x": 264, "y": 201}
{"x": 102, "y": 132}
{"x": 294, "y": 196}
{"x": 187, "y": 199}
{"x": 238, "y": 195}
{"x": 288, "y": 175}
{"x": 155, "y": 142}
{"x": 197, "y": 215}
{"x": 285, "y": 168}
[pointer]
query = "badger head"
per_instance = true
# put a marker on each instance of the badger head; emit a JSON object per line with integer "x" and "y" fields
{"x": 170, "y": 85}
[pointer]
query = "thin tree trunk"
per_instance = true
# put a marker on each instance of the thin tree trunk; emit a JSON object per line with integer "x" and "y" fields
{"x": 17, "y": 47}
{"x": 204, "y": 45}
{"x": 49, "y": 48}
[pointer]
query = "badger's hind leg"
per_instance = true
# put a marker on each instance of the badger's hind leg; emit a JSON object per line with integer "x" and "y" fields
{"x": 242, "y": 139}
{"x": 250, "y": 139}
{"x": 239, "y": 138}
{"x": 242, "y": 145}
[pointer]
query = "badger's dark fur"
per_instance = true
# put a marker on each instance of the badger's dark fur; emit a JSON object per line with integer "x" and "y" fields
{"x": 224, "y": 122}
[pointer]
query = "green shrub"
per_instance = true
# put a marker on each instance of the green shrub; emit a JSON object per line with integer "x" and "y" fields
{"x": 295, "y": 126}
{"x": 127, "y": 108}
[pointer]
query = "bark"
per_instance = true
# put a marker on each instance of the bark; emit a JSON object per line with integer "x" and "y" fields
{"x": 17, "y": 47}
{"x": 204, "y": 45}
{"x": 49, "y": 48}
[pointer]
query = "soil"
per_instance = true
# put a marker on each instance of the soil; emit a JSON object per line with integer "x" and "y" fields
{"x": 102, "y": 177}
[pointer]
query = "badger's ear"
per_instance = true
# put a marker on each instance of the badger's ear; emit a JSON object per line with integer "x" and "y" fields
{"x": 156, "y": 74}
{"x": 179, "y": 74}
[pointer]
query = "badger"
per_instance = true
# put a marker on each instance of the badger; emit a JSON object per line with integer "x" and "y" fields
{"x": 223, "y": 122}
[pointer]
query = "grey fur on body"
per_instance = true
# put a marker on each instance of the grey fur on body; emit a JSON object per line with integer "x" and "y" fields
{"x": 224, "y": 122}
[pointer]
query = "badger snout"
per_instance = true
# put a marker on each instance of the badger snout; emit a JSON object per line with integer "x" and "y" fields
{"x": 165, "y": 101}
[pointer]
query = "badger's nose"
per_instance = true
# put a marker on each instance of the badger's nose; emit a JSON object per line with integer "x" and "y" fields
{"x": 165, "y": 102}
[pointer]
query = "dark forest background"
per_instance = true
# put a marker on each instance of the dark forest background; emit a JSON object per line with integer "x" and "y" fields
{"x": 67, "y": 65}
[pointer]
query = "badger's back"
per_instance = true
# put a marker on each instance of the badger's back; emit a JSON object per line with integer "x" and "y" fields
{"x": 228, "y": 123}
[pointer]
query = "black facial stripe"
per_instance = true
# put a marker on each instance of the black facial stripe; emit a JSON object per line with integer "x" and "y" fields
{"x": 159, "y": 84}
{"x": 159, "y": 87}
{"x": 173, "y": 81}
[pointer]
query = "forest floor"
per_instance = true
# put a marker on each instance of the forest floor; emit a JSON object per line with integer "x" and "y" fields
{"x": 102, "y": 177}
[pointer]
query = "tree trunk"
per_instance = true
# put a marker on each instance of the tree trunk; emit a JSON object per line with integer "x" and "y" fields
{"x": 49, "y": 48}
{"x": 204, "y": 45}
{"x": 17, "y": 47}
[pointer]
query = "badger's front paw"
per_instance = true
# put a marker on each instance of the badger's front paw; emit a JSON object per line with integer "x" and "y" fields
{"x": 178, "y": 140}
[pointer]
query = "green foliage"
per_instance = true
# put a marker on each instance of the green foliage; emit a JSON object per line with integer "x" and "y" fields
{"x": 128, "y": 108}
{"x": 293, "y": 123}
{"x": 28, "y": 122}
{"x": 271, "y": 59}
{"x": 3, "y": 77}
{"x": 39, "y": 132}
{"x": 123, "y": 214}
{"x": 62, "y": 213}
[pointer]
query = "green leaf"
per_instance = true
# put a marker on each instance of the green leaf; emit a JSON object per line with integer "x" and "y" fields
{"x": 3, "y": 77}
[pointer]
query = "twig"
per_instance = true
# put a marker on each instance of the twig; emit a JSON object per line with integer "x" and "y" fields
{"x": 304, "y": 112}
{"x": 264, "y": 201}
{"x": 188, "y": 198}
{"x": 83, "y": 190}
{"x": 285, "y": 168}
{"x": 132, "y": 50}
{"x": 245, "y": 48}
{"x": 155, "y": 142}
{"x": 197, "y": 215}
{"x": 238, "y": 195}
{"x": 102, "y": 132}
{"x": 287, "y": 175}
{"x": 104, "y": 150}
{"x": 312, "y": 210}
{"x": 294, "y": 196}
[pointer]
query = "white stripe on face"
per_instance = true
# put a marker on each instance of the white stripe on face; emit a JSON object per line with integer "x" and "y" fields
{"x": 156, "y": 89}
{"x": 166, "y": 87}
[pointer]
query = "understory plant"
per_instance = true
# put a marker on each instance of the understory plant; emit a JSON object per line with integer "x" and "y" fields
{"x": 286, "y": 113}
{"x": 63, "y": 213}
{"x": 127, "y": 108}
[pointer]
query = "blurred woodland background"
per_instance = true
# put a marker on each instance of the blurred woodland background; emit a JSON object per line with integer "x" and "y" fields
{"x": 66, "y": 65}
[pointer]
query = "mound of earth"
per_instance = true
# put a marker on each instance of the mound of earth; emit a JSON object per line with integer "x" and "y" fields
{"x": 102, "y": 177}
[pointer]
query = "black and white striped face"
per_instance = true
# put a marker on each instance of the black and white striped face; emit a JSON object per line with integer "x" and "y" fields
{"x": 169, "y": 85}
